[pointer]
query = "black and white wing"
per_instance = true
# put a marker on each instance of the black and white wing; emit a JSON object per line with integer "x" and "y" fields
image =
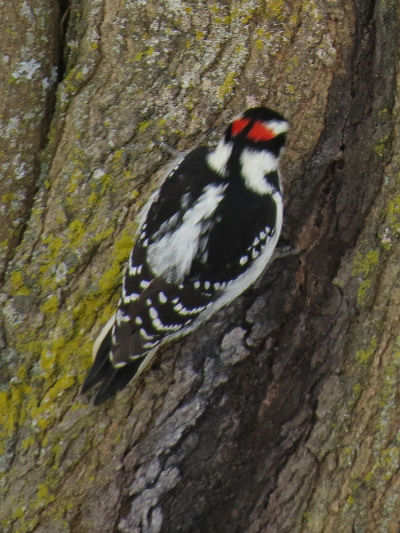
{"x": 160, "y": 298}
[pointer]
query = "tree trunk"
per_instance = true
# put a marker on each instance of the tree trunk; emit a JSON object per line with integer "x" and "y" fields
{"x": 280, "y": 414}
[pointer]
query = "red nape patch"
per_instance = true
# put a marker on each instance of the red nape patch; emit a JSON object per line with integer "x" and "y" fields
{"x": 259, "y": 132}
{"x": 239, "y": 125}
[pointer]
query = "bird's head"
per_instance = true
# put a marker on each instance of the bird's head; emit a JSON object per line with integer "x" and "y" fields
{"x": 251, "y": 146}
{"x": 260, "y": 128}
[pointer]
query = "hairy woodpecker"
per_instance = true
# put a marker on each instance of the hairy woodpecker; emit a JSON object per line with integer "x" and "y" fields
{"x": 206, "y": 235}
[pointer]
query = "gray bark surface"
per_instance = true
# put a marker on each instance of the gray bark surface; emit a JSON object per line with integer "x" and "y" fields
{"x": 282, "y": 413}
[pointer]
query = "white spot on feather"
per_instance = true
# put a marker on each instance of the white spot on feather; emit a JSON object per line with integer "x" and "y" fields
{"x": 119, "y": 365}
{"x": 146, "y": 335}
{"x": 162, "y": 297}
{"x": 132, "y": 270}
{"x": 150, "y": 345}
{"x": 153, "y": 313}
{"x": 121, "y": 317}
{"x": 128, "y": 298}
{"x": 159, "y": 326}
{"x": 194, "y": 311}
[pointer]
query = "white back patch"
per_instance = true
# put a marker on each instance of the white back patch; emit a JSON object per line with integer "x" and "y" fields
{"x": 218, "y": 158}
{"x": 172, "y": 255}
{"x": 255, "y": 165}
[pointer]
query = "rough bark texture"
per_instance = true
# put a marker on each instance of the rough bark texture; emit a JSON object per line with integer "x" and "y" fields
{"x": 29, "y": 44}
{"x": 281, "y": 415}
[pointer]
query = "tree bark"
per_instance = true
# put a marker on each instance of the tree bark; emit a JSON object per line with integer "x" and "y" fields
{"x": 279, "y": 415}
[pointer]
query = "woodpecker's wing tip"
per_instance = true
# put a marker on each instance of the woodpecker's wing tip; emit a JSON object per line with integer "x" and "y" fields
{"x": 100, "y": 398}
{"x": 84, "y": 387}
{"x": 101, "y": 366}
{"x": 88, "y": 383}
{"x": 116, "y": 380}
{"x": 102, "y": 335}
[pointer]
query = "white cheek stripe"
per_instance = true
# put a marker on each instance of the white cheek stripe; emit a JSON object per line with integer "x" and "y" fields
{"x": 255, "y": 165}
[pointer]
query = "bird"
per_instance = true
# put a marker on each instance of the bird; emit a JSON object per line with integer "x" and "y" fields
{"x": 205, "y": 236}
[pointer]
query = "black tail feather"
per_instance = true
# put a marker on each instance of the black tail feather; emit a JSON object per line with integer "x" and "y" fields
{"x": 116, "y": 379}
{"x": 101, "y": 366}
{"x": 113, "y": 379}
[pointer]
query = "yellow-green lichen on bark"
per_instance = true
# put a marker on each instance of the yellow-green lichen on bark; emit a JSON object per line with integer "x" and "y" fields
{"x": 136, "y": 74}
{"x": 365, "y": 267}
{"x": 393, "y": 216}
{"x": 366, "y": 427}
{"x": 29, "y": 73}
{"x": 364, "y": 356}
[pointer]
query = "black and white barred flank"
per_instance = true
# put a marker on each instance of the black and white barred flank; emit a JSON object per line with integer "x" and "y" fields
{"x": 207, "y": 235}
